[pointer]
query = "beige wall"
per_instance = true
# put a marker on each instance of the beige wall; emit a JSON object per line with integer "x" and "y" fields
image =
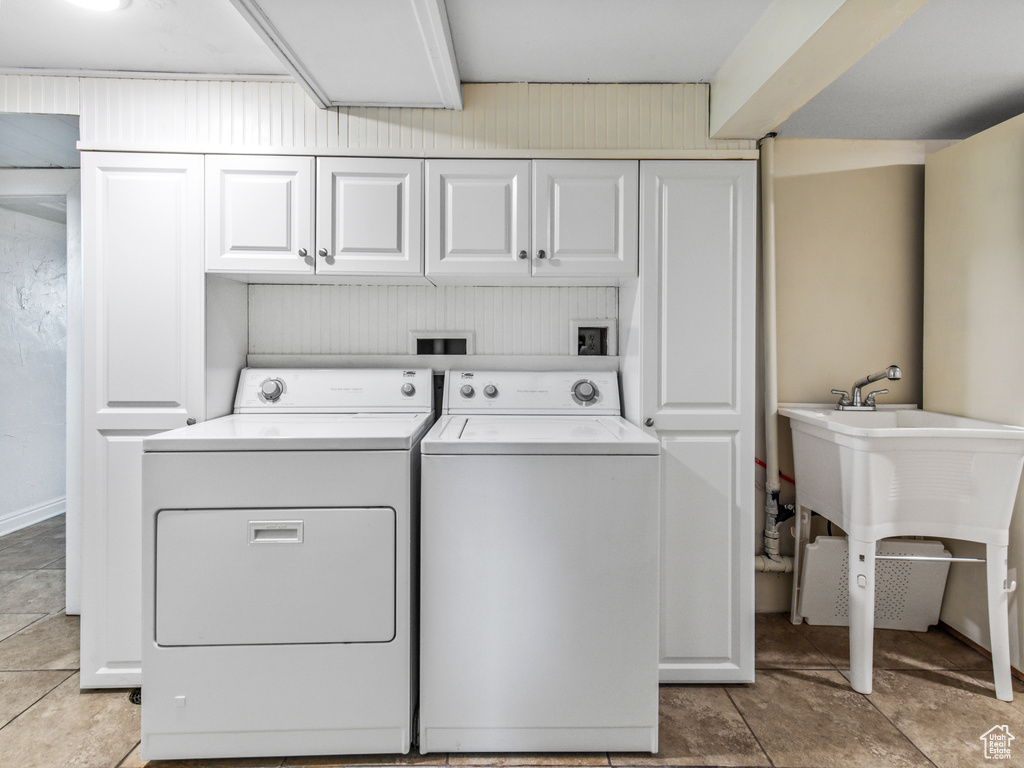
{"x": 974, "y": 325}
{"x": 849, "y": 245}
{"x": 849, "y": 248}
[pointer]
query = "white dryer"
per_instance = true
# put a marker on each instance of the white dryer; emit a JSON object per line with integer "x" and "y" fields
{"x": 539, "y": 568}
{"x": 277, "y": 558}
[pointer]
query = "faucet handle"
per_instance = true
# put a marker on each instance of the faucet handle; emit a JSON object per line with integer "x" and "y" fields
{"x": 870, "y": 399}
{"x": 844, "y": 396}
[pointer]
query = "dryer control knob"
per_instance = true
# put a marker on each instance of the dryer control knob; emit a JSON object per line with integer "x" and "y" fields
{"x": 467, "y": 391}
{"x": 490, "y": 391}
{"x": 584, "y": 392}
{"x": 408, "y": 389}
{"x": 271, "y": 390}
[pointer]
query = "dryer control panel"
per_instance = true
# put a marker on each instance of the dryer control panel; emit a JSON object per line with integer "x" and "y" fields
{"x": 539, "y": 392}
{"x": 334, "y": 390}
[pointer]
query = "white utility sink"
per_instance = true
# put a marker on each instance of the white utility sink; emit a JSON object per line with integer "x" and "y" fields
{"x": 906, "y": 472}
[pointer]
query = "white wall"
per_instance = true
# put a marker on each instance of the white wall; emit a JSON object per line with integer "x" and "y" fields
{"x": 33, "y": 331}
{"x": 378, "y": 319}
{"x": 499, "y": 119}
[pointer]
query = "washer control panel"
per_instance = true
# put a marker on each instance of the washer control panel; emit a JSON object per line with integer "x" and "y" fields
{"x": 474, "y": 392}
{"x": 334, "y": 390}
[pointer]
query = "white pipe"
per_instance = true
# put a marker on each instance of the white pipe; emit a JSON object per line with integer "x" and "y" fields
{"x": 764, "y": 564}
{"x": 771, "y": 560}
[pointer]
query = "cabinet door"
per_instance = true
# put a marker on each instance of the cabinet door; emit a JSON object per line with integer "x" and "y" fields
{"x": 478, "y": 219}
{"x": 369, "y": 216}
{"x": 585, "y": 218}
{"x": 259, "y": 214}
{"x": 143, "y": 324}
{"x": 698, "y": 305}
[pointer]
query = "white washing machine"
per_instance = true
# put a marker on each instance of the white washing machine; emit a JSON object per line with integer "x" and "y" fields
{"x": 539, "y": 568}
{"x": 278, "y": 567}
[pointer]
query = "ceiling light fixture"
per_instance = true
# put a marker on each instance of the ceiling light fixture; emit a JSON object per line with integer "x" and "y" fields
{"x": 101, "y": 5}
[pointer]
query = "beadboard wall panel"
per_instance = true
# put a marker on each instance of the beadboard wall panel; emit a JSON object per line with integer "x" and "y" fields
{"x": 40, "y": 94}
{"x": 378, "y": 319}
{"x": 499, "y": 119}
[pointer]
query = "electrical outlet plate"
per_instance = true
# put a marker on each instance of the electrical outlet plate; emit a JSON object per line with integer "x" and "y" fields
{"x": 607, "y": 323}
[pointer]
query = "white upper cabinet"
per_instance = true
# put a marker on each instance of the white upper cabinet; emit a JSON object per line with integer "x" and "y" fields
{"x": 259, "y": 214}
{"x": 478, "y": 220}
{"x": 585, "y": 218}
{"x": 369, "y": 216}
{"x": 263, "y": 212}
{"x": 581, "y": 229}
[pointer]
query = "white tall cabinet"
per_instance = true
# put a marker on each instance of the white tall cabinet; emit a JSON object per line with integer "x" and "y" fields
{"x": 144, "y": 370}
{"x": 696, "y": 390}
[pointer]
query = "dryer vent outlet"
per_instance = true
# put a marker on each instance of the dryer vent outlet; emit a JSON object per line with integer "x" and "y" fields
{"x": 440, "y": 346}
{"x": 441, "y": 342}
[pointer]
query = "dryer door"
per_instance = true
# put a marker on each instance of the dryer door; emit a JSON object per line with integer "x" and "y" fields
{"x": 275, "y": 576}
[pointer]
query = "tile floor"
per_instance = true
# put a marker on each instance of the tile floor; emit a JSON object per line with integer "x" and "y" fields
{"x": 932, "y": 703}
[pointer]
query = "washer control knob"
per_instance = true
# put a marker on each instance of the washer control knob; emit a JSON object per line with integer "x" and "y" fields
{"x": 408, "y": 389}
{"x": 467, "y": 391}
{"x": 490, "y": 391}
{"x": 271, "y": 390}
{"x": 584, "y": 392}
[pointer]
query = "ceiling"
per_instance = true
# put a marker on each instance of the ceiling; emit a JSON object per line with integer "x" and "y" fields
{"x": 949, "y": 70}
{"x": 38, "y": 141}
{"x": 956, "y": 67}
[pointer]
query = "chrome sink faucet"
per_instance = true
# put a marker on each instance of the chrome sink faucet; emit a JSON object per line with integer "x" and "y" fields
{"x": 855, "y": 403}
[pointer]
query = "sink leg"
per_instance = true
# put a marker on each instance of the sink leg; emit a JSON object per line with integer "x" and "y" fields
{"x": 862, "y": 613}
{"x": 801, "y": 533}
{"x": 998, "y": 625}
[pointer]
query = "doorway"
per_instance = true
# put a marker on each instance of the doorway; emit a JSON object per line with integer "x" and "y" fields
{"x": 40, "y": 329}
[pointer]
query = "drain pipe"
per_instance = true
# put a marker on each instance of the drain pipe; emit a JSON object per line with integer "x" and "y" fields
{"x": 771, "y": 561}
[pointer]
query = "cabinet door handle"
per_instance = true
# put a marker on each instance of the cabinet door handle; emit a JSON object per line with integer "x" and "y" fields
{"x": 523, "y": 254}
{"x": 541, "y": 255}
{"x": 649, "y": 423}
{"x": 190, "y": 421}
{"x": 323, "y": 253}
{"x": 303, "y": 253}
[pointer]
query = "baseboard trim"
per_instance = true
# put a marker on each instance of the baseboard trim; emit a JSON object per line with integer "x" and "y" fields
{"x": 980, "y": 649}
{"x": 23, "y": 518}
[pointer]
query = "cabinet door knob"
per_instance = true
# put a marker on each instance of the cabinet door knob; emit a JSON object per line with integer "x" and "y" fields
{"x": 190, "y": 421}
{"x": 649, "y": 423}
{"x": 523, "y": 254}
{"x": 323, "y": 253}
{"x": 541, "y": 255}
{"x": 303, "y": 253}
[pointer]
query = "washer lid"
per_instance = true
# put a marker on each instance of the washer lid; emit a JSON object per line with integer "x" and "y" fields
{"x": 297, "y": 432}
{"x": 575, "y": 435}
